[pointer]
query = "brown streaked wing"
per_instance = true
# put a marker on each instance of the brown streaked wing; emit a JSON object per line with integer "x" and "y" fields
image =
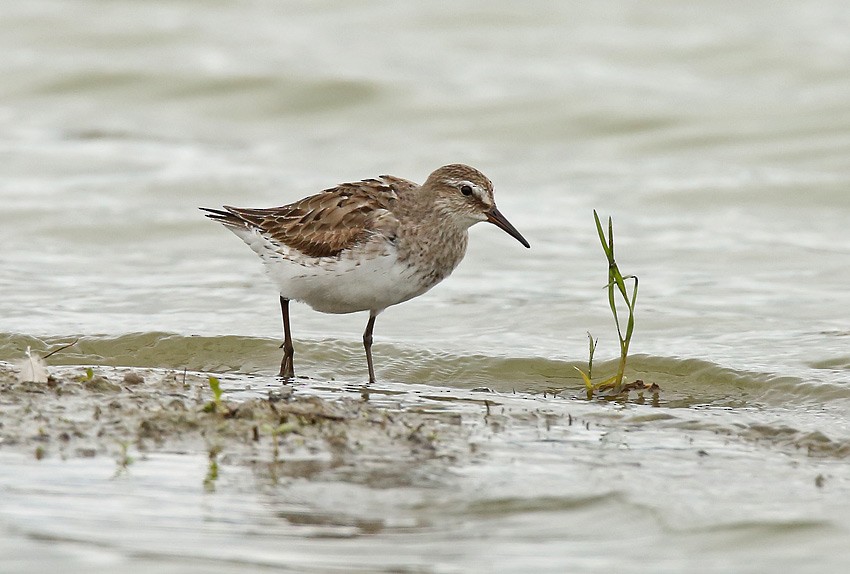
{"x": 327, "y": 223}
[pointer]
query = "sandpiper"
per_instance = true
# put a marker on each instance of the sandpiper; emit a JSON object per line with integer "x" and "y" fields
{"x": 366, "y": 245}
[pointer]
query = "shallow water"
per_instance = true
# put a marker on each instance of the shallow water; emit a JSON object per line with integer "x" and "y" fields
{"x": 716, "y": 137}
{"x": 516, "y": 483}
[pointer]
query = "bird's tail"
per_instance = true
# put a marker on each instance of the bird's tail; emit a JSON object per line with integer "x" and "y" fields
{"x": 225, "y": 216}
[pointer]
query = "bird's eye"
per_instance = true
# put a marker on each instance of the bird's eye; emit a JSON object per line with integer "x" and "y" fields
{"x": 466, "y": 190}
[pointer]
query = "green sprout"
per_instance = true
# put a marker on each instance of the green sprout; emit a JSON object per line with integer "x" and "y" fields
{"x": 216, "y": 405}
{"x": 616, "y": 283}
{"x": 588, "y": 376}
{"x": 212, "y": 469}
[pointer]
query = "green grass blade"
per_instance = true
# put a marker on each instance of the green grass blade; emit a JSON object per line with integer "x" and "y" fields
{"x": 609, "y": 253}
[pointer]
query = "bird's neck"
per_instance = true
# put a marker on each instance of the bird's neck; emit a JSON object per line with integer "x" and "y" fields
{"x": 434, "y": 244}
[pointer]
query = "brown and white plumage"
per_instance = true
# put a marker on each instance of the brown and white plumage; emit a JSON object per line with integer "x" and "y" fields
{"x": 367, "y": 245}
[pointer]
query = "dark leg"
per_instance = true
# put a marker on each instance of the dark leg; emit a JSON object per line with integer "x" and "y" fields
{"x": 367, "y": 344}
{"x": 287, "y": 371}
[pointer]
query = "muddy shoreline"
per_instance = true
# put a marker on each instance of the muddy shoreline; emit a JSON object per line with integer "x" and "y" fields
{"x": 125, "y": 413}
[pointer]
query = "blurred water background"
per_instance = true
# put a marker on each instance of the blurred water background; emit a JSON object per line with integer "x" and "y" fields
{"x": 717, "y": 134}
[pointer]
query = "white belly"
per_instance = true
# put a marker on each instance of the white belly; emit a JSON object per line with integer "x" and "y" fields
{"x": 370, "y": 279}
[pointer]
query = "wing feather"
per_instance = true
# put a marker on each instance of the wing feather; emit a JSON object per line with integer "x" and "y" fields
{"x": 325, "y": 224}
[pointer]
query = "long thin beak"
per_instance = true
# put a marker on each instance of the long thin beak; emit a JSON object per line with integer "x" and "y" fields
{"x": 495, "y": 217}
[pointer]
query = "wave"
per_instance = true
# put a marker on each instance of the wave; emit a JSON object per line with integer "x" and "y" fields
{"x": 685, "y": 382}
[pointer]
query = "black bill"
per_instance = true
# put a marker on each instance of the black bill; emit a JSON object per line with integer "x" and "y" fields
{"x": 495, "y": 217}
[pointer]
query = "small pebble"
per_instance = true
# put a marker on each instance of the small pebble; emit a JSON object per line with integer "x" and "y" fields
{"x": 283, "y": 394}
{"x": 101, "y": 384}
{"x": 132, "y": 378}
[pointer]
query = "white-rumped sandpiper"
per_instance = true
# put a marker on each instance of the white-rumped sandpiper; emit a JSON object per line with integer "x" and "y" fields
{"x": 366, "y": 245}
